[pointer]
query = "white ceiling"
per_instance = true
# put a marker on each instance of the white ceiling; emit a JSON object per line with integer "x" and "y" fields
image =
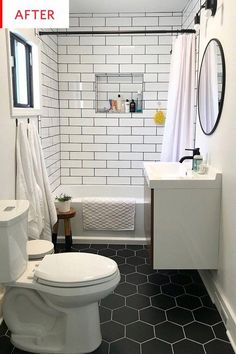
{"x": 109, "y": 6}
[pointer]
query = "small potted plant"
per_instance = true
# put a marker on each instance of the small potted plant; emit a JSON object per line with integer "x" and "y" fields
{"x": 63, "y": 204}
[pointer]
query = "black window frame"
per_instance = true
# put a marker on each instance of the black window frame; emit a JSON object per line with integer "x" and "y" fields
{"x": 29, "y": 72}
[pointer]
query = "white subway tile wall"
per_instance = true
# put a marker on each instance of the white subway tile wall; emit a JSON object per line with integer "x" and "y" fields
{"x": 50, "y": 121}
{"x": 109, "y": 148}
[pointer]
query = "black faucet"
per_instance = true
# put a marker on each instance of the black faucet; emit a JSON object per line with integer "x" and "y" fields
{"x": 195, "y": 151}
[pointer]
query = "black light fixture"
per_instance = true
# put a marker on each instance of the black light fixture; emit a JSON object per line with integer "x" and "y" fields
{"x": 197, "y": 22}
{"x": 210, "y": 7}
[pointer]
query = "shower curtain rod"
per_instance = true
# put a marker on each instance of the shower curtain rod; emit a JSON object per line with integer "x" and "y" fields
{"x": 181, "y": 31}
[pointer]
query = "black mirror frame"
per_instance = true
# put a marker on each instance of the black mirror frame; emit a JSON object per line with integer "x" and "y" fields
{"x": 223, "y": 86}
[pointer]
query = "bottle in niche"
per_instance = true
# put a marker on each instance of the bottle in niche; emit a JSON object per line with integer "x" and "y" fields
{"x": 139, "y": 102}
{"x": 132, "y": 106}
{"x": 127, "y": 106}
{"x": 118, "y": 104}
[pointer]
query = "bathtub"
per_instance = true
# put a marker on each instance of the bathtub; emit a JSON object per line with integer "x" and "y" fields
{"x": 83, "y": 236}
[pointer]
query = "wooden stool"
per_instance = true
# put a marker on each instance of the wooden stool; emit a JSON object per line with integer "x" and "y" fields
{"x": 67, "y": 228}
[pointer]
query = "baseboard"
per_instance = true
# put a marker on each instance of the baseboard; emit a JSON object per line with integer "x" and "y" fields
{"x": 104, "y": 239}
{"x": 225, "y": 310}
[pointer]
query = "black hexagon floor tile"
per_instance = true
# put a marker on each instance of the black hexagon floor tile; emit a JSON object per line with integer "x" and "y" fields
{"x": 136, "y": 278}
{"x": 112, "y": 331}
{"x": 138, "y": 301}
{"x": 126, "y": 269}
{"x": 113, "y": 301}
{"x": 139, "y": 331}
{"x": 163, "y": 301}
{"x": 5, "y": 345}
{"x": 107, "y": 252}
{"x": 118, "y": 259}
{"x": 124, "y": 346}
{"x": 218, "y": 347}
{"x": 89, "y": 250}
{"x": 179, "y": 316}
{"x": 126, "y": 289}
{"x": 169, "y": 332}
{"x": 146, "y": 269}
{"x": 199, "y": 332}
{"x": 99, "y": 246}
{"x": 181, "y": 279}
{"x": 105, "y": 314}
{"x": 145, "y": 300}
{"x": 187, "y": 346}
{"x": 3, "y": 329}
{"x": 173, "y": 290}
{"x": 195, "y": 289}
{"x": 149, "y": 289}
{"x": 155, "y": 346}
{"x": 135, "y": 260}
{"x": 134, "y": 247}
{"x": 142, "y": 253}
{"x": 152, "y": 315}
{"x": 125, "y": 315}
{"x": 207, "y": 315}
{"x": 206, "y": 301}
{"x": 188, "y": 302}
{"x": 125, "y": 253}
{"x": 158, "y": 279}
{"x": 116, "y": 246}
{"x": 220, "y": 331}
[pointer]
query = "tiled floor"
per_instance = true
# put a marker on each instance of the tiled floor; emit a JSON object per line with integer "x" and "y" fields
{"x": 150, "y": 312}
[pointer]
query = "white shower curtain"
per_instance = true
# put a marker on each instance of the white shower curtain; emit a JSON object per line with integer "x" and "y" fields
{"x": 179, "y": 127}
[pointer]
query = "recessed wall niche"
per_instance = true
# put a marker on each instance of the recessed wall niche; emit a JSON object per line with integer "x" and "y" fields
{"x": 109, "y": 85}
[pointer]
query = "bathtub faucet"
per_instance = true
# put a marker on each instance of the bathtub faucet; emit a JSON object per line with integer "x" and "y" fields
{"x": 195, "y": 151}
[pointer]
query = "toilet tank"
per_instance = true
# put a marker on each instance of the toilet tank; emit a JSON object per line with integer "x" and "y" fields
{"x": 13, "y": 239}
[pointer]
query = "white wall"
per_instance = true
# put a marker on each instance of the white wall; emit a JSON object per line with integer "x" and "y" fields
{"x": 221, "y": 149}
{"x": 7, "y": 129}
{"x": 49, "y": 126}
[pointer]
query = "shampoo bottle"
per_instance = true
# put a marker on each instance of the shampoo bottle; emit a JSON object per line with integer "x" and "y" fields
{"x": 127, "y": 106}
{"x": 132, "y": 106}
{"x": 118, "y": 104}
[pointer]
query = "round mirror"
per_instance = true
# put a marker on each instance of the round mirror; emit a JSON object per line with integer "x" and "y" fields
{"x": 211, "y": 86}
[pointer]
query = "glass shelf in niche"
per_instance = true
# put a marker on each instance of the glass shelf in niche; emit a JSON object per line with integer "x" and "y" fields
{"x": 109, "y": 85}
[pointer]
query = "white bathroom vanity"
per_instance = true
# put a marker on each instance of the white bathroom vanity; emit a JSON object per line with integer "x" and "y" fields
{"x": 182, "y": 216}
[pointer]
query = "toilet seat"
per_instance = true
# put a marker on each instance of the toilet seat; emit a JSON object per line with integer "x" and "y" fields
{"x": 75, "y": 270}
{"x": 37, "y": 249}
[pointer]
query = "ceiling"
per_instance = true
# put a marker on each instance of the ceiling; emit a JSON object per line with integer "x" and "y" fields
{"x": 109, "y": 6}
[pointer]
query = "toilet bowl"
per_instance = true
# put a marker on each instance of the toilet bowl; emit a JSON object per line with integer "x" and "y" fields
{"x": 51, "y": 304}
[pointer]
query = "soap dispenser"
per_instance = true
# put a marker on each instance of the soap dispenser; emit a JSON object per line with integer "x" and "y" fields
{"x": 197, "y": 161}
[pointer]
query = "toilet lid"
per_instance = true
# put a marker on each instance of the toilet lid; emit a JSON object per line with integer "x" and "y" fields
{"x": 39, "y": 248}
{"x": 75, "y": 267}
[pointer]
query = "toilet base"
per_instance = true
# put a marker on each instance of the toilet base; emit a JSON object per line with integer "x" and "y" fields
{"x": 38, "y": 327}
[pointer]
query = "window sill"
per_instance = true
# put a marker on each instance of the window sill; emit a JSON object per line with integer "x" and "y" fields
{"x": 22, "y": 112}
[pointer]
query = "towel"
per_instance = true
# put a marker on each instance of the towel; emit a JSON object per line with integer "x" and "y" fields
{"x": 115, "y": 214}
{"x": 27, "y": 187}
{"x": 48, "y": 208}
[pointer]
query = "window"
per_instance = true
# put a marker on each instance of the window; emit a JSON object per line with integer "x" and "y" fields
{"x": 22, "y": 83}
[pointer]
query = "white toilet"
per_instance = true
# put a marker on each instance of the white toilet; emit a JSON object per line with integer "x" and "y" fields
{"x": 51, "y": 305}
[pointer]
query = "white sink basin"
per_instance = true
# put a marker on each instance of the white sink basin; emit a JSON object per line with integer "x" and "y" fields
{"x": 166, "y": 170}
{"x": 176, "y": 175}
